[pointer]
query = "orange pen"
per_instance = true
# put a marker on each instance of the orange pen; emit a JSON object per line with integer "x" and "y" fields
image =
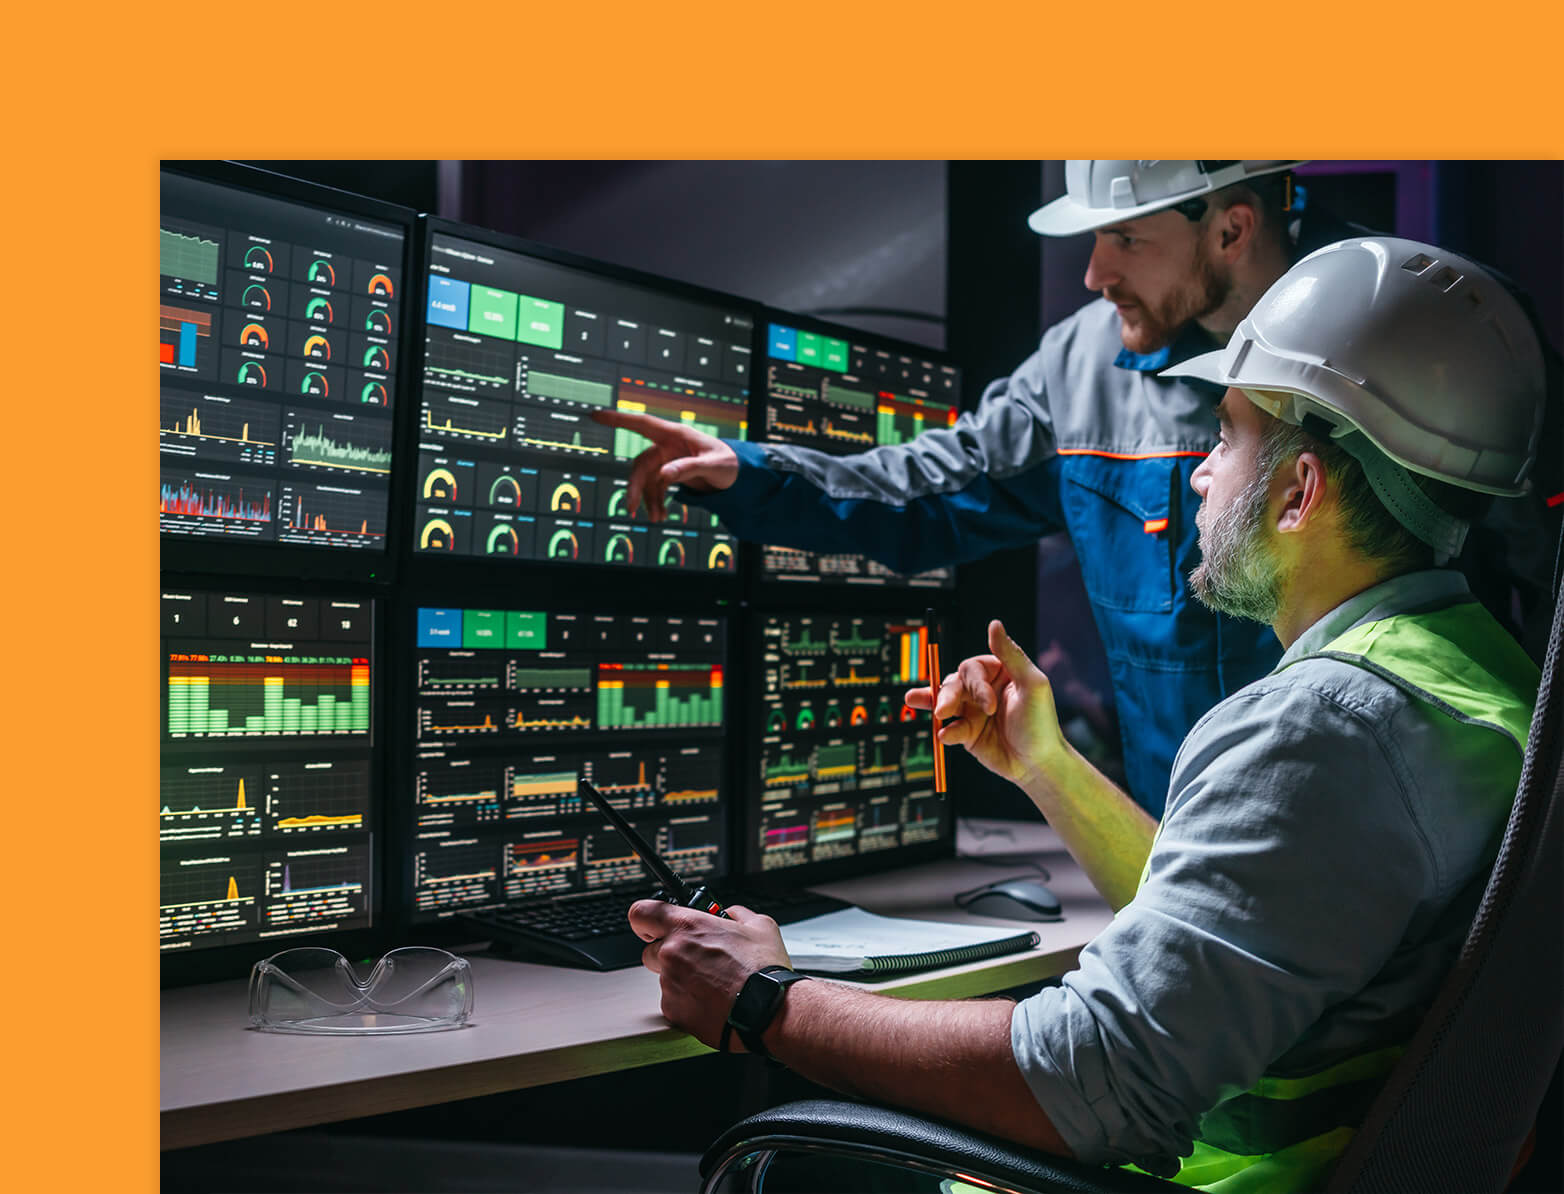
{"x": 931, "y": 665}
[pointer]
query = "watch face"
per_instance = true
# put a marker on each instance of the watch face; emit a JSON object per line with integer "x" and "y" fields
{"x": 757, "y": 1001}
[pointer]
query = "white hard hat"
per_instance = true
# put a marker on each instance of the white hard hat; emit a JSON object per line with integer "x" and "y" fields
{"x": 1100, "y": 193}
{"x": 1411, "y": 348}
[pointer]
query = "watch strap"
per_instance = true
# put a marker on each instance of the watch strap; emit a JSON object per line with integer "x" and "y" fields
{"x": 752, "y": 1033}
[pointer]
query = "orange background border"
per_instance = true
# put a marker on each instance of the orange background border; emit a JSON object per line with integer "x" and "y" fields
{"x": 95, "y": 97}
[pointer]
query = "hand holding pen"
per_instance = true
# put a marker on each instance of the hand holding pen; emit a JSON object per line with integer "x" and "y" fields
{"x": 1000, "y": 707}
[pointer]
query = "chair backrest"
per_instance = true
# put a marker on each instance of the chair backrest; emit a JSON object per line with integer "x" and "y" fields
{"x": 1456, "y": 1110}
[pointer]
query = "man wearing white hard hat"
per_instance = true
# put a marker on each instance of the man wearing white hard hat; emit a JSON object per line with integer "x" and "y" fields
{"x": 1329, "y": 827}
{"x": 1084, "y": 436}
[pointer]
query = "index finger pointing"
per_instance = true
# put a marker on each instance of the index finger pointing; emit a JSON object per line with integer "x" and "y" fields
{"x": 630, "y": 420}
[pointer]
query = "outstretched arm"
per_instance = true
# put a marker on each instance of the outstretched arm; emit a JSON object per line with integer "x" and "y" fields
{"x": 987, "y": 482}
{"x": 951, "y": 1059}
{"x": 1001, "y": 708}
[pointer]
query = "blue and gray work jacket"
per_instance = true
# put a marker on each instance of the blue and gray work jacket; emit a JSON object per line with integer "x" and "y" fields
{"x": 1083, "y": 437}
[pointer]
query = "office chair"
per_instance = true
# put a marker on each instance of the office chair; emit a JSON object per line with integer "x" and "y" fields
{"x": 1453, "y": 1115}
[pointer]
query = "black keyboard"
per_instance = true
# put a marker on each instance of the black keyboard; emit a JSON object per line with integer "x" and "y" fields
{"x": 590, "y": 930}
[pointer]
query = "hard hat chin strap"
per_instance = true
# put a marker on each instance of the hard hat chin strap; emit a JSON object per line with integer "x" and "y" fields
{"x": 1399, "y": 494}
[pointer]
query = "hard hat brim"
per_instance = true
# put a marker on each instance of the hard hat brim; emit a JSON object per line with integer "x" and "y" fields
{"x": 1205, "y": 367}
{"x": 1065, "y": 217}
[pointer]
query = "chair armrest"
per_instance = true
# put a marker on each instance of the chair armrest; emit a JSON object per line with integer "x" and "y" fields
{"x": 867, "y": 1132}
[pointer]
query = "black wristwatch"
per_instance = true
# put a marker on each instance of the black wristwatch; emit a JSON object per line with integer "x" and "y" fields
{"x": 757, "y": 1004}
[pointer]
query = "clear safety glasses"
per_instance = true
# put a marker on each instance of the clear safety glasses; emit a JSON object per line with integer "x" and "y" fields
{"x": 413, "y": 989}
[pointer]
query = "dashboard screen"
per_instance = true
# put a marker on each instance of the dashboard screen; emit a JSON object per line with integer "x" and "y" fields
{"x": 277, "y": 347}
{"x": 513, "y": 707}
{"x": 265, "y": 821}
{"x": 518, "y": 354}
{"x": 845, "y": 770}
{"x": 841, "y": 397}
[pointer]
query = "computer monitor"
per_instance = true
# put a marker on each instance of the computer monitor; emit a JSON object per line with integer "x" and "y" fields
{"x": 280, "y": 344}
{"x": 520, "y": 345}
{"x": 842, "y": 780}
{"x": 841, "y": 391}
{"x": 513, "y": 706}
{"x": 267, "y": 821}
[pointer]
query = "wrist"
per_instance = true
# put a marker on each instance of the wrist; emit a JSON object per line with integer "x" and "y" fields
{"x": 1048, "y": 769}
{"x": 787, "y": 1026}
{"x": 755, "y": 1009}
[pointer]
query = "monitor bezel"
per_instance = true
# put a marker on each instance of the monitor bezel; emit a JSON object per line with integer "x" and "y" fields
{"x": 452, "y": 929}
{"x": 774, "y": 590}
{"x": 211, "y": 553}
{"x": 427, "y": 567}
{"x": 812, "y": 874}
{"x": 212, "y": 963}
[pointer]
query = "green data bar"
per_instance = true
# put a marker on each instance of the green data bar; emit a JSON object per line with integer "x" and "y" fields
{"x": 629, "y": 444}
{"x": 849, "y": 643}
{"x": 787, "y": 766}
{"x": 844, "y": 755}
{"x": 189, "y": 712}
{"x": 569, "y": 389}
{"x": 492, "y": 312}
{"x": 860, "y": 399}
{"x": 666, "y": 711}
{"x": 559, "y": 677}
{"x": 888, "y": 432}
{"x": 540, "y": 322}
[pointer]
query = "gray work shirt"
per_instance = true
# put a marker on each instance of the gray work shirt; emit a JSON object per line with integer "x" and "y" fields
{"x": 1316, "y": 870}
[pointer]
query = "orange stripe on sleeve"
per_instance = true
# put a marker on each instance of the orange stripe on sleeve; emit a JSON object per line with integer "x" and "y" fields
{"x": 1128, "y": 455}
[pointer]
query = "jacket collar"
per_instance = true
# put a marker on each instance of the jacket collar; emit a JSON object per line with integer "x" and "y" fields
{"x": 1192, "y": 340}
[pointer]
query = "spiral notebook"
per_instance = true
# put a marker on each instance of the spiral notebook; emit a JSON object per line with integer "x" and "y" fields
{"x": 853, "y": 943}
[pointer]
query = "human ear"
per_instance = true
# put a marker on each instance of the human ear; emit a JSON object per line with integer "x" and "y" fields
{"x": 1303, "y": 490}
{"x": 1235, "y": 229}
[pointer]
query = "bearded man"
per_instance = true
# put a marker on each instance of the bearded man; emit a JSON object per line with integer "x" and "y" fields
{"x": 1329, "y": 827}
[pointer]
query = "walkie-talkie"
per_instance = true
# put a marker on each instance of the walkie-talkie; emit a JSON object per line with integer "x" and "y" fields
{"x": 674, "y": 890}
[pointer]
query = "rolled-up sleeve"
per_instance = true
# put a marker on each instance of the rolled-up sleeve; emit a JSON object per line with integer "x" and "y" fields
{"x": 1283, "y": 877}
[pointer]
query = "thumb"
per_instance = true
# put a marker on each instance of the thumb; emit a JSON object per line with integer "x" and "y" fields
{"x": 1017, "y": 662}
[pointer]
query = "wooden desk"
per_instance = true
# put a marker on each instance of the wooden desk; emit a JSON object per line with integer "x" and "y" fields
{"x": 537, "y": 1024}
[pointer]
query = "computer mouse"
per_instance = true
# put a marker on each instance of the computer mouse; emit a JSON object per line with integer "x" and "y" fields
{"x": 1016, "y": 899}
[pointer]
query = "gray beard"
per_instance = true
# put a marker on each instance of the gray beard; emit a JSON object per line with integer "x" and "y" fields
{"x": 1238, "y": 573}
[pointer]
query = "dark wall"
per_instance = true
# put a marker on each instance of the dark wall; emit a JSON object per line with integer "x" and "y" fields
{"x": 1510, "y": 215}
{"x": 863, "y": 243}
{"x": 994, "y": 316}
{"x": 413, "y": 184}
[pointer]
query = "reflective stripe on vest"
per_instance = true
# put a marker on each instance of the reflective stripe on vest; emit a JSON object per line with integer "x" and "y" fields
{"x": 1460, "y": 663}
